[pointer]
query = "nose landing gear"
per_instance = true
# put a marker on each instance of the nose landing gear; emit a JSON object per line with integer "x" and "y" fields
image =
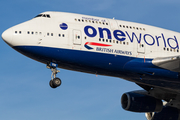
{"x": 55, "y": 81}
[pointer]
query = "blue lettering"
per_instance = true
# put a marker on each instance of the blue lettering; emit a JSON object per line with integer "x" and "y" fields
{"x": 146, "y": 40}
{"x": 101, "y": 32}
{"x": 168, "y": 41}
{"x": 133, "y": 34}
{"x": 119, "y": 35}
{"x": 157, "y": 39}
{"x": 94, "y": 32}
{"x": 164, "y": 40}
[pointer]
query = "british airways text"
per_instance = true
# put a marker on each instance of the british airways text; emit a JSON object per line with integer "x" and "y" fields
{"x": 113, "y": 51}
{"x": 121, "y": 36}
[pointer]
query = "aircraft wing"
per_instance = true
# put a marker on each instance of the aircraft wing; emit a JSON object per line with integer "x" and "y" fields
{"x": 169, "y": 63}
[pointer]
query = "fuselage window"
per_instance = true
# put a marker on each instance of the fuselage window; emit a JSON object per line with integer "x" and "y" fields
{"x": 63, "y": 35}
{"x": 106, "y": 23}
{"x": 82, "y": 20}
{"x": 40, "y": 33}
{"x": 92, "y": 21}
{"x": 59, "y": 35}
{"x": 110, "y": 41}
{"x": 16, "y": 32}
{"x": 167, "y": 49}
{"x": 79, "y": 20}
{"x": 117, "y": 42}
{"x": 177, "y": 50}
{"x": 36, "y": 33}
{"x": 103, "y": 40}
{"x": 84, "y": 37}
{"x": 47, "y": 34}
{"x": 51, "y": 34}
{"x": 107, "y": 40}
{"x": 28, "y": 32}
{"x": 19, "y": 32}
{"x": 99, "y": 22}
{"x": 32, "y": 32}
{"x": 124, "y": 43}
{"x": 99, "y": 39}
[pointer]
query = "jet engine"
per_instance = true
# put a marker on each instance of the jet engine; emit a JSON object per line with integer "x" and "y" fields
{"x": 137, "y": 102}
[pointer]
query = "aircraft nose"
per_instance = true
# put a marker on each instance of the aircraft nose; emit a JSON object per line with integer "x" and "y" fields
{"x": 7, "y": 36}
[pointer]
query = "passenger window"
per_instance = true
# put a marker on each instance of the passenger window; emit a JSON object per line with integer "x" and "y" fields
{"x": 16, "y": 32}
{"x": 28, "y": 32}
{"x": 47, "y": 34}
{"x": 59, "y": 35}
{"x": 51, "y": 34}
{"x": 63, "y": 35}
{"x": 19, "y": 32}
{"x": 32, "y": 32}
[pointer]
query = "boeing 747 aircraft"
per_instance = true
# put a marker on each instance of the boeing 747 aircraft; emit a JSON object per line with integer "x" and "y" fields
{"x": 146, "y": 55}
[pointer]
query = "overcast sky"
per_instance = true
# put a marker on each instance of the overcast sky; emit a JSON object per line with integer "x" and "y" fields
{"x": 24, "y": 83}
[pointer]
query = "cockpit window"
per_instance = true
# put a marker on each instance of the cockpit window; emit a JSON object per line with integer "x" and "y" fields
{"x": 43, "y": 15}
{"x": 48, "y": 16}
{"x": 39, "y": 15}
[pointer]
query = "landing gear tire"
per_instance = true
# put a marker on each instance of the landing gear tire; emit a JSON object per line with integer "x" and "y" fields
{"x": 56, "y": 82}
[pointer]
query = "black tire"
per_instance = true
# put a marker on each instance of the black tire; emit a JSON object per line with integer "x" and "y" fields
{"x": 51, "y": 84}
{"x": 56, "y": 82}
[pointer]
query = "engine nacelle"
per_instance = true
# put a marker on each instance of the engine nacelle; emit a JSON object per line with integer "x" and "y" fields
{"x": 137, "y": 102}
{"x": 168, "y": 113}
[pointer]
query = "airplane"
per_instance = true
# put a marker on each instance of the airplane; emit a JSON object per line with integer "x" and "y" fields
{"x": 146, "y": 55}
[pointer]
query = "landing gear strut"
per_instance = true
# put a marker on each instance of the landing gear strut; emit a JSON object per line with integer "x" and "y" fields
{"x": 55, "y": 81}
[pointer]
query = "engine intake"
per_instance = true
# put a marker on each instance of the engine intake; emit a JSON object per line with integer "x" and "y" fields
{"x": 136, "y": 102}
